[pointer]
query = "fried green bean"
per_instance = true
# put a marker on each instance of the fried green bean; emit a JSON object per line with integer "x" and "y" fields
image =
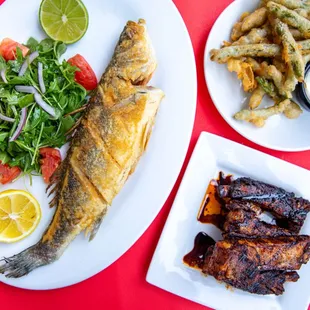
{"x": 290, "y": 81}
{"x": 302, "y": 12}
{"x": 297, "y": 34}
{"x": 279, "y": 64}
{"x": 306, "y": 58}
{"x": 291, "y": 4}
{"x": 236, "y": 32}
{"x": 272, "y": 81}
{"x": 254, "y": 20}
{"x": 255, "y": 36}
{"x": 291, "y": 52}
{"x": 278, "y": 80}
{"x": 256, "y": 98}
{"x": 293, "y": 110}
{"x": 305, "y": 46}
{"x": 252, "y": 50}
{"x": 253, "y": 63}
{"x": 262, "y": 71}
{"x": 258, "y": 117}
{"x": 268, "y": 87}
{"x": 290, "y": 17}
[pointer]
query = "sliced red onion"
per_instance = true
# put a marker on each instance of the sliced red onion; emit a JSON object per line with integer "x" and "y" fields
{"x": 26, "y": 89}
{"x": 40, "y": 77}
{"x": 2, "y": 73}
{"x": 21, "y": 124}
{"x": 27, "y": 62}
{"x": 47, "y": 108}
{"x": 7, "y": 119}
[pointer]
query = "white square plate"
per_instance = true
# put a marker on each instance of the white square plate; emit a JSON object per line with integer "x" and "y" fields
{"x": 212, "y": 155}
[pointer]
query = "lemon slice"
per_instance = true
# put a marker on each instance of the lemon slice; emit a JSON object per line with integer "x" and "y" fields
{"x": 64, "y": 20}
{"x": 20, "y": 214}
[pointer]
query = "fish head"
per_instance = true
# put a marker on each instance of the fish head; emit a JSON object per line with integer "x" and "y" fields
{"x": 134, "y": 57}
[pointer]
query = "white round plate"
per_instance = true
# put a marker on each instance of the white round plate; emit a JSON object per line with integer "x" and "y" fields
{"x": 139, "y": 202}
{"x": 228, "y": 96}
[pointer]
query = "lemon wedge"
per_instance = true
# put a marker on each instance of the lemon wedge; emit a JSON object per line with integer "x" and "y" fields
{"x": 20, "y": 214}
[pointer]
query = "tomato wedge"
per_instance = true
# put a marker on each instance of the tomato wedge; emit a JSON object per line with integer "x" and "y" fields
{"x": 85, "y": 76}
{"x": 8, "y": 174}
{"x": 50, "y": 160}
{"x": 8, "y": 49}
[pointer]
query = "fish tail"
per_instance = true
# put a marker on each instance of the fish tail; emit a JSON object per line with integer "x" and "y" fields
{"x": 26, "y": 261}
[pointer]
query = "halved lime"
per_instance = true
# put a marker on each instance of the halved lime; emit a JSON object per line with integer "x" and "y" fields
{"x": 64, "y": 20}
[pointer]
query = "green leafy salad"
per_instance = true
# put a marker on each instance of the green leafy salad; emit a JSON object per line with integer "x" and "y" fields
{"x": 38, "y": 97}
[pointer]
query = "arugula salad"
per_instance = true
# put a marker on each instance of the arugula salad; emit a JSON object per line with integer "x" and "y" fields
{"x": 40, "y": 101}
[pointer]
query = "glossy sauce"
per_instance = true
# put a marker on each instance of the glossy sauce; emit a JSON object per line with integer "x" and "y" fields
{"x": 212, "y": 207}
{"x": 195, "y": 258}
{"x": 211, "y": 211}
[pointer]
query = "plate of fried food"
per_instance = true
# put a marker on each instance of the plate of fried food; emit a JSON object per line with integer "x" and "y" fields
{"x": 87, "y": 152}
{"x": 238, "y": 234}
{"x": 255, "y": 64}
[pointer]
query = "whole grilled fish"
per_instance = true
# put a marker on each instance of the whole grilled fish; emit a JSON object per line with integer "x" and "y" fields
{"x": 105, "y": 150}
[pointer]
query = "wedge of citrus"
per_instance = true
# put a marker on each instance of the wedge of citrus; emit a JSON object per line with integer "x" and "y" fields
{"x": 64, "y": 20}
{"x": 20, "y": 214}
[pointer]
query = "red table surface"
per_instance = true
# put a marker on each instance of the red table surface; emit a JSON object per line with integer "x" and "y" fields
{"x": 122, "y": 286}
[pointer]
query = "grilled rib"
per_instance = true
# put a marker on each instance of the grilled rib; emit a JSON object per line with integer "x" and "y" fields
{"x": 259, "y": 266}
{"x": 243, "y": 205}
{"x": 245, "y": 224}
{"x": 280, "y": 203}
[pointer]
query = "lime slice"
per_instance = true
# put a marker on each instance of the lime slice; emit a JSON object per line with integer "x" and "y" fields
{"x": 64, "y": 20}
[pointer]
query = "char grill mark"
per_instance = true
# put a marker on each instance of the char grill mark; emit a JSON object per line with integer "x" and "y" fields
{"x": 258, "y": 266}
{"x": 245, "y": 224}
{"x": 280, "y": 203}
{"x": 249, "y": 206}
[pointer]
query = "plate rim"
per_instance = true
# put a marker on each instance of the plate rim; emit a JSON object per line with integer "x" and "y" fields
{"x": 228, "y": 119}
{"x": 204, "y": 136}
{"x": 186, "y": 138}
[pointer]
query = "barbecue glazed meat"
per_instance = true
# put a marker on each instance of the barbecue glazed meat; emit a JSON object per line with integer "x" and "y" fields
{"x": 245, "y": 224}
{"x": 246, "y": 188}
{"x": 282, "y": 253}
{"x": 257, "y": 266}
{"x": 243, "y": 205}
{"x": 282, "y": 204}
{"x": 240, "y": 272}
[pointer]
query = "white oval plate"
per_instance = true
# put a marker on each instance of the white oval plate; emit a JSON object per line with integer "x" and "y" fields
{"x": 228, "y": 96}
{"x": 146, "y": 191}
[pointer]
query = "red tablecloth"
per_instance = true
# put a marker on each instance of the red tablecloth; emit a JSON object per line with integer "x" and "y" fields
{"x": 122, "y": 286}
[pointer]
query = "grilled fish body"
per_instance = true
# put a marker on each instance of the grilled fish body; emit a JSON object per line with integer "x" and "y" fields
{"x": 105, "y": 150}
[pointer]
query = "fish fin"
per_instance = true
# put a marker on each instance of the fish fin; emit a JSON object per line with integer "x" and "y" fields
{"x": 56, "y": 182}
{"x": 26, "y": 261}
{"x": 93, "y": 229}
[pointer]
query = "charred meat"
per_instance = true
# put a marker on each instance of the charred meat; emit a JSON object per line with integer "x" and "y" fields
{"x": 258, "y": 266}
{"x": 245, "y": 224}
{"x": 280, "y": 203}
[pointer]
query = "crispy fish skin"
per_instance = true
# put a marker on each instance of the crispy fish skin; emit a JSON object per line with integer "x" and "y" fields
{"x": 105, "y": 150}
